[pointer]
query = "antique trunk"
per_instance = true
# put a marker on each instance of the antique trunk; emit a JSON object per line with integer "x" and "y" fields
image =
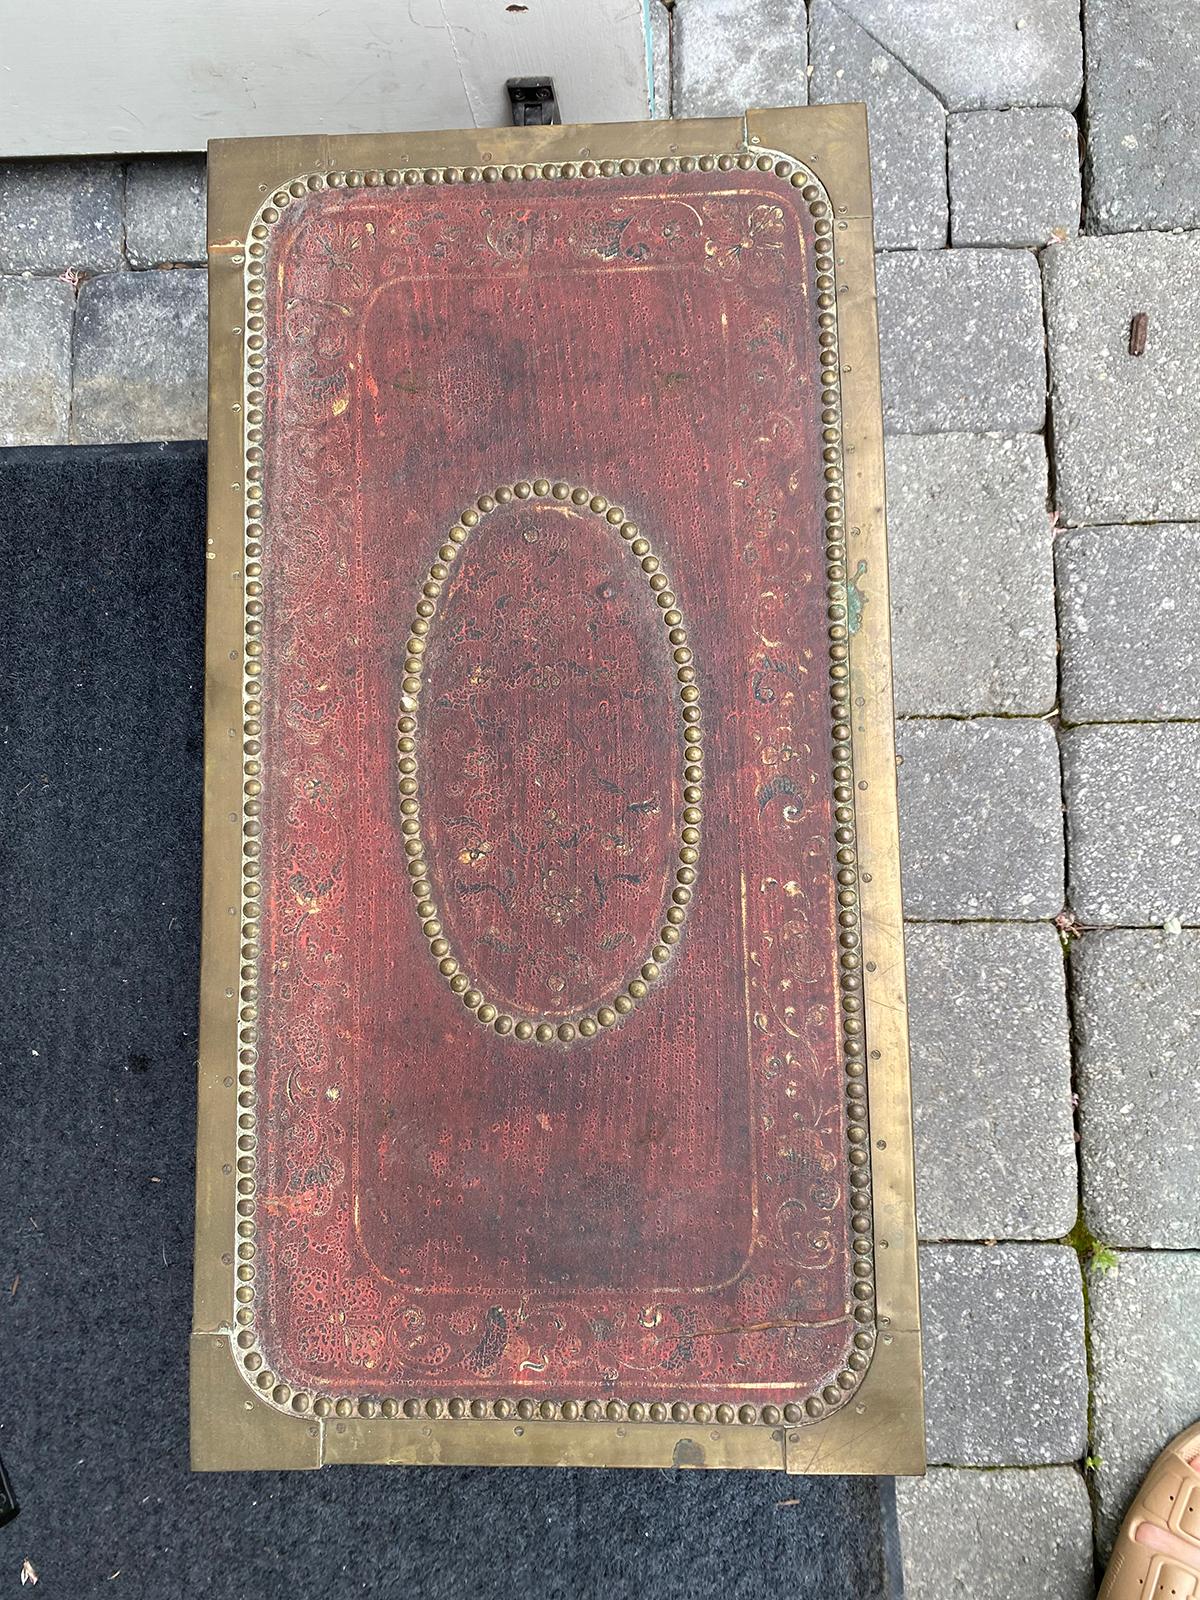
{"x": 554, "y": 1093}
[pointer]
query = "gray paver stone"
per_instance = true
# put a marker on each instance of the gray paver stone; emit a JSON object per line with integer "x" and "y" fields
{"x": 1014, "y": 176}
{"x": 35, "y": 360}
{"x": 1133, "y": 822}
{"x": 1143, "y": 113}
{"x": 991, "y": 1076}
{"x": 975, "y": 53}
{"x": 980, "y": 819}
{"x": 164, "y": 211}
{"x": 1130, "y": 627}
{"x": 140, "y": 357}
{"x": 1126, "y": 428}
{"x": 727, "y": 56}
{"x": 972, "y": 575}
{"x": 905, "y": 121}
{"x": 1005, "y": 1367}
{"x": 60, "y": 215}
{"x": 996, "y": 1535}
{"x": 961, "y": 341}
{"x": 1137, "y": 1022}
{"x": 1145, "y": 1340}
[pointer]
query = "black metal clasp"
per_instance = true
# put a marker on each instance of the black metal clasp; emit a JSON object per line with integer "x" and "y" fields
{"x": 534, "y": 103}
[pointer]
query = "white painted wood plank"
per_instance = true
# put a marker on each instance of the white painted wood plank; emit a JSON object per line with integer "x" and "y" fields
{"x": 80, "y": 77}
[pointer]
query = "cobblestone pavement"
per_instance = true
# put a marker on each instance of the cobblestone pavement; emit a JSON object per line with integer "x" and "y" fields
{"x": 1044, "y": 489}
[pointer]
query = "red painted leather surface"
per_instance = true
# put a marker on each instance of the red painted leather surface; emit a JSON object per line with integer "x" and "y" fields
{"x": 658, "y": 1211}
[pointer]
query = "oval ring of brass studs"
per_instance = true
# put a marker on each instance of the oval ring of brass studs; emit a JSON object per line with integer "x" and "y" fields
{"x": 650, "y": 968}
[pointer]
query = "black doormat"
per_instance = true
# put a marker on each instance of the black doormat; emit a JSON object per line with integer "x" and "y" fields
{"x": 101, "y": 710}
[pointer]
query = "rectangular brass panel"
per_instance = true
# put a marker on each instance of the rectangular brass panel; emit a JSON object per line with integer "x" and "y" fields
{"x": 244, "y": 1414}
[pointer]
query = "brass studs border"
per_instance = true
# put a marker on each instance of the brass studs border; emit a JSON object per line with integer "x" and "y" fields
{"x": 649, "y": 969}
{"x": 843, "y": 1383}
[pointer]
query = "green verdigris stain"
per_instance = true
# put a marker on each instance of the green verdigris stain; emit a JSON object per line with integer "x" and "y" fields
{"x": 855, "y": 599}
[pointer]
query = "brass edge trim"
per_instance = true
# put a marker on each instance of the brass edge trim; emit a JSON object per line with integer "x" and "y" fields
{"x": 213, "y": 1271}
{"x": 893, "y": 1387}
{"x": 835, "y": 144}
{"x": 887, "y": 1084}
{"x": 232, "y": 1429}
{"x": 248, "y": 169}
